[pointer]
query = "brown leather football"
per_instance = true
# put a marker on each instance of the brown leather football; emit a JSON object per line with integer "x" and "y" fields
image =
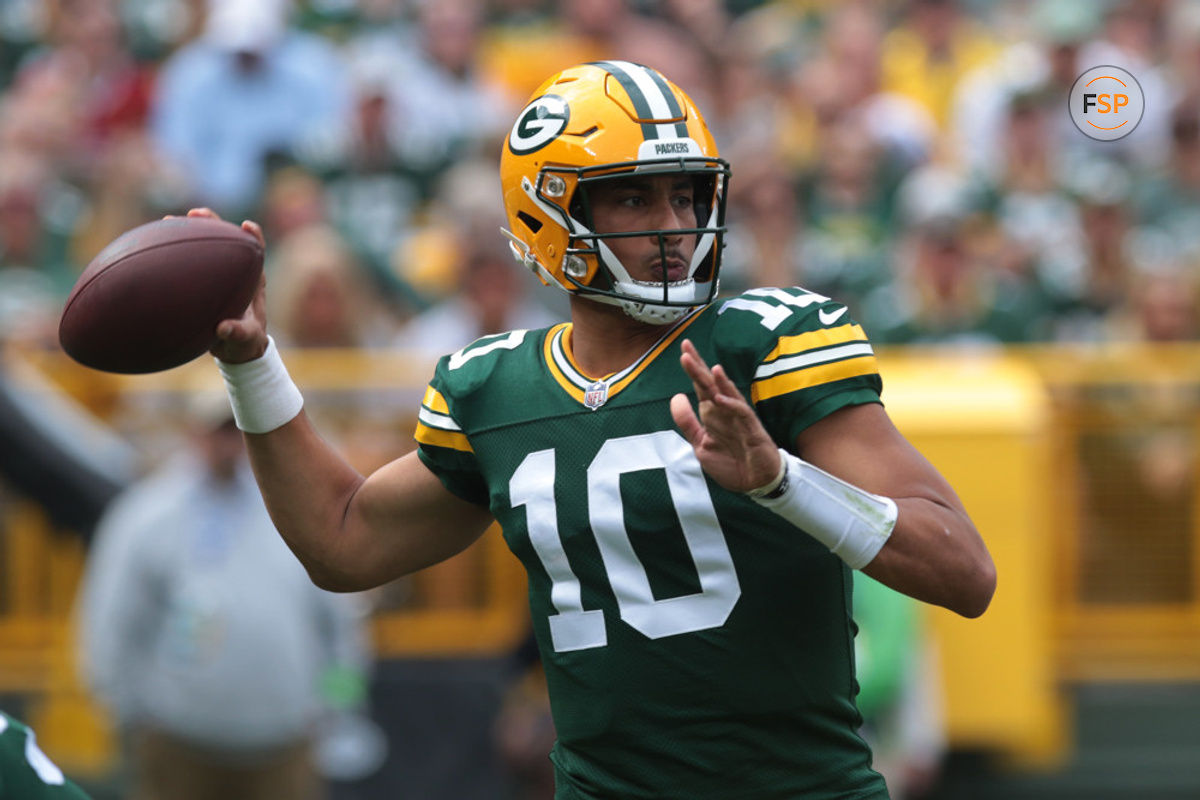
{"x": 151, "y": 299}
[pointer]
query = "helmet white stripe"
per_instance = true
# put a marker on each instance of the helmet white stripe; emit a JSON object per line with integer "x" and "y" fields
{"x": 656, "y": 99}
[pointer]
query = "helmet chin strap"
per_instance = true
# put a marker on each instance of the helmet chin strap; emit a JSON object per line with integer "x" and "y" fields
{"x": 649, "y": 313}
{"x": 654, "y": 314}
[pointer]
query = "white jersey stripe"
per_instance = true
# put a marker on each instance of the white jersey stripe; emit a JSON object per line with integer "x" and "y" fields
{"x": 809, "y": 359}
{"x": 440, "y": 421}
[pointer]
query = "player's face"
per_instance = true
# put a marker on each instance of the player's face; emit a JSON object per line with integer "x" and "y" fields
{"x": 650, "y": 202}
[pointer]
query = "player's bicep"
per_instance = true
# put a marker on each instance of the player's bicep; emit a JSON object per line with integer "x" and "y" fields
{"x": 861, "y": 445}
{"x": 403, "y": 519}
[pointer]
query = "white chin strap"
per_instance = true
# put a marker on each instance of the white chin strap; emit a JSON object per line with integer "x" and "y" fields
{"x": 652, "y": 313}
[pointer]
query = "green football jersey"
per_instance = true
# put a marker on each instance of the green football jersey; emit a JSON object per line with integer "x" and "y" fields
{"x": 695, "y": 644}
{"x": 25, "y": 771}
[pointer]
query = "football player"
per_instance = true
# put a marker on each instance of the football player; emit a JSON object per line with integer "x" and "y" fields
{"x": 688, "y": 480}
{"x": 26, "y": 773}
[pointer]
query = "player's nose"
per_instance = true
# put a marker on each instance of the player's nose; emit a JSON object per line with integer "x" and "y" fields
{"x": 666, "y": 215}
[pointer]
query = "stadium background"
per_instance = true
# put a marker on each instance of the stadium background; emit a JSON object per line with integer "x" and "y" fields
{"x": 1033, "y": 295}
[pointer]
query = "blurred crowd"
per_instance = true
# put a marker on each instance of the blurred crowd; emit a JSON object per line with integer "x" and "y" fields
{"x": 912, "y": 158}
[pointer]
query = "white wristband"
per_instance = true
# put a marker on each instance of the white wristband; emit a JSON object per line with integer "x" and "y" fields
{"x": 854, "y": 524}
{"x": 261, "y": 392}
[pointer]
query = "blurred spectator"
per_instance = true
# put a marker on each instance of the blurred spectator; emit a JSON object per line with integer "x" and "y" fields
{"x": 764, "y": 227}
{"x": 293, "y": 199}
{"x": 1043, "y": 247}
{"x": 1102, "y": 192}
{"x": 1170, "y": 198}
{"x": 320, "y": 294}
{"x": 37, "y": 212}
{"x": 493, "y": 298}
{"x": 73, "y": 146}
{"x": 519, "y": 55}
{"x": 463, "y": 214}
{"x": 1164, "y": 291}
{"x": 1042, "y": 64}
{"x": 204, "y": 636}
{"x": 421, "y": 104}
{"x": 847, "y": 202}
{"x": 933, "y": 47}
{"x": 250, "y": 88}
{"x": 109, "y": 90}
{"x": 427, "y": 102}
{"x": 322, "y": 298}
{"x": 944, "y": 291}
{"x": 851, "y": 68}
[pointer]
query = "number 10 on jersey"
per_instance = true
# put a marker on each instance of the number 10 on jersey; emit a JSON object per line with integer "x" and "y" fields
{"x": 575, "y": 628}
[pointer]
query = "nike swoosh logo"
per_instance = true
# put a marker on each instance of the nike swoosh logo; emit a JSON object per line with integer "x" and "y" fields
{"x": 830, "y": 317}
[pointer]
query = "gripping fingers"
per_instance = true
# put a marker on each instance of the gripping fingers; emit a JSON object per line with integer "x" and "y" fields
{"x": 255, "y": 230}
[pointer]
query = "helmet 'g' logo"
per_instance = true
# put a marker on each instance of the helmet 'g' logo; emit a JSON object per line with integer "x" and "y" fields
{"x": 539, "y": 124}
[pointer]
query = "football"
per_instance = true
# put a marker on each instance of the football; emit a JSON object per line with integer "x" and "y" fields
{"x": 151, "y": 299}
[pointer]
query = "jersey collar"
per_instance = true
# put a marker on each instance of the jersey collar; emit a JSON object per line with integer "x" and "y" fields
{"x": 594, "y": 392}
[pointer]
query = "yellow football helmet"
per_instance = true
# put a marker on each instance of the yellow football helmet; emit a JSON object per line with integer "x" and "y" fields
{"x": 594, "y": 122}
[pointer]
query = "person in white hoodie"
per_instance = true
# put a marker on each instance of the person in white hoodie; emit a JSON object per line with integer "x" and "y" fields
{"x": 204, "y": 637}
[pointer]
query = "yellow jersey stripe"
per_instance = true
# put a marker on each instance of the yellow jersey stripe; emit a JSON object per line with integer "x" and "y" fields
{"x": 434, "y": 401}
{"x": 440, "y": 438}
{"x": 774, "y": 386}
{"x": 790, "y": 345}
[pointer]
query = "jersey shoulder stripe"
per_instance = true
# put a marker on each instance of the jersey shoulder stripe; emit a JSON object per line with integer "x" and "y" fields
{"x": 458, "y": 375}
{"x": 814, "y": 376}
{"x": 797, "y": 355}
{"x": 436, "y": 427}
{"x": 813, "y": 358}
{"x": 791, "y": 339}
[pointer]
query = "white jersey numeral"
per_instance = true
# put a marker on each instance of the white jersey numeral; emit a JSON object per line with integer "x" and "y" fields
{"x": 772, "y": 316}
{"x": 573, "y": 628}
{"x": 488, "y": 344}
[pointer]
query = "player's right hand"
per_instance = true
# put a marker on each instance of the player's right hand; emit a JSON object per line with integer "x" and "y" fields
{"x": 729, "y": 439}
{"x": 245, "y": 338}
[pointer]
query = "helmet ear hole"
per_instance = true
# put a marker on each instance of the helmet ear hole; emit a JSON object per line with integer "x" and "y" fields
{"x": 531, "y": 222}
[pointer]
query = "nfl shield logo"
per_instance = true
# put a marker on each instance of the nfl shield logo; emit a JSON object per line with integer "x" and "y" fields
{"x": 596, "y": 395}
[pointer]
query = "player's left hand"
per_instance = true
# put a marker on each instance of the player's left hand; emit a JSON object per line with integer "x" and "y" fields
{"x": 730, "y": 441}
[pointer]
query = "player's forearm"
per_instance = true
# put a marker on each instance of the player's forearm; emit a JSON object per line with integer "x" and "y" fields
{"x": 911, "y": 536}
{"x": 936, "y": 555}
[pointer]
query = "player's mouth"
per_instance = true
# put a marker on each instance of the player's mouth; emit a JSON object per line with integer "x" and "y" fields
{"x": 676, "y": 270}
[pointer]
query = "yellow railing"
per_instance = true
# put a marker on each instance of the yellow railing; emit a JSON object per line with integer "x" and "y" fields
{"x": 1079, "y": 465}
